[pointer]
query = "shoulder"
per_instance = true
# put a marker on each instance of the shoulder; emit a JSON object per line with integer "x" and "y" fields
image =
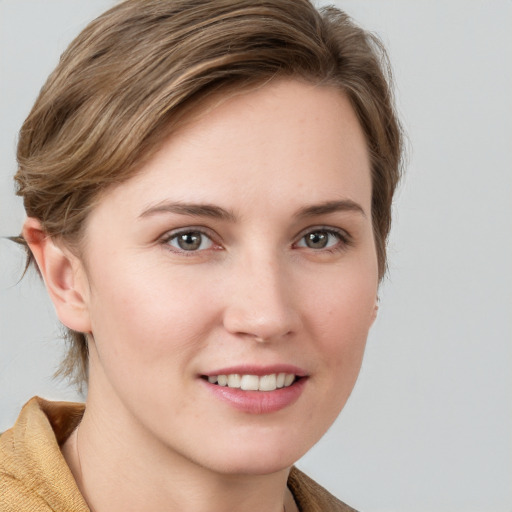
{"x": 312, "y": 497}
{"x": 33, "y": 474}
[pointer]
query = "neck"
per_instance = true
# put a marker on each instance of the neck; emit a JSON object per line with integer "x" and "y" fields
{"x": 119, "y": 467}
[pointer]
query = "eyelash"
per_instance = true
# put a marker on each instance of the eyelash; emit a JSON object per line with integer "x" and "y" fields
{"x": 173, "y": 235}
{"x": 344, "y": 239}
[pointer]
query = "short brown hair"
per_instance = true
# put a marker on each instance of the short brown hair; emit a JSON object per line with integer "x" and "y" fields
{"x": 133, "y": 74}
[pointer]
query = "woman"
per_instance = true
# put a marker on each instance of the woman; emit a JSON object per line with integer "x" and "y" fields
{"x": 208, "y": 188}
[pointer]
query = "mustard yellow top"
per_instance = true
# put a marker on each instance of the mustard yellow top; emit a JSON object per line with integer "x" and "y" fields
{"x": 34, "y": 476}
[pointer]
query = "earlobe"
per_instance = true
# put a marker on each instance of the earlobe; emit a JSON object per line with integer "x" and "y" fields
{"x": 63, "y": 276}
{"x": 375, "y": 311}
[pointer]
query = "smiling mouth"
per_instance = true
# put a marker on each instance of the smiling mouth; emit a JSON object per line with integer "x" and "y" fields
{"x": 269, "y": 382}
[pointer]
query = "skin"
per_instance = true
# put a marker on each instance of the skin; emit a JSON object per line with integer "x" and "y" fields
{"x": 153, "y": 437}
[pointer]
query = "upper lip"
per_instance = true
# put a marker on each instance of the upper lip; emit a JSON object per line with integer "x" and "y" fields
{"x": 248, "y": 369}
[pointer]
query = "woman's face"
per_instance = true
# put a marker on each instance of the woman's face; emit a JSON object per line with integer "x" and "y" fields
{"x": 242, "y": 251}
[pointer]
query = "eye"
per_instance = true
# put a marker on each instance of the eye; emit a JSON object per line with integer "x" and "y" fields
{"x": 189, "y": 241}
{"x": 322, "y": 239}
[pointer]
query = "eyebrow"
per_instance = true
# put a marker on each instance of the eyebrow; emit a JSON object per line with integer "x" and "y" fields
{"x": 216, "y": 212}
{"x": 345, "y": 205}
{"x": 193, "y": 209}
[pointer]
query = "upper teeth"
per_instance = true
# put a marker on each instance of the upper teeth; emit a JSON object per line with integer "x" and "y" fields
{"x": 253, "y": 382}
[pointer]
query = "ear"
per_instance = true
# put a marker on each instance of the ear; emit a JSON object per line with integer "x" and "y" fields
{"x": 63, "y": 275}
{"x": 374, "y": 311}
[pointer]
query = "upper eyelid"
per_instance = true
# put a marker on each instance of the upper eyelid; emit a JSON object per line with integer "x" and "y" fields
{"x": 330, "y": 229}
{"x": 171, "y": 233}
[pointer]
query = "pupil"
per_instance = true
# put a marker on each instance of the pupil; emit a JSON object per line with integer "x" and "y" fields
{"x": 189, "y": 241}
{"x": 317, "y": 240}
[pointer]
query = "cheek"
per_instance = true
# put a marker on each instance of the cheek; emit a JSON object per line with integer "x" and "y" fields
{"x": 340, "y": 318}
{"x": 147, "y": 317}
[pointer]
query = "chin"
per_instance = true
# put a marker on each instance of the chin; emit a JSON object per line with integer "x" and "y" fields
{"x": 256, "y": 458}
{"x": 260, "y": 465}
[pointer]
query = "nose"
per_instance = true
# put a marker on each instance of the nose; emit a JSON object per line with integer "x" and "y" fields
{"x": 260, "y": 303}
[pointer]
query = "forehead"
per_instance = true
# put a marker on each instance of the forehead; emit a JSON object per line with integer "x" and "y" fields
{"x": 284, "y": 140}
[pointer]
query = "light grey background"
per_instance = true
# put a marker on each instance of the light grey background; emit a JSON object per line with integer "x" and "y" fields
{"x": 429, "y": 425}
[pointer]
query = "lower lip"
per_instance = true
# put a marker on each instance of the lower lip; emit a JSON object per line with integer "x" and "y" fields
{"x": 258, "y": 402}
